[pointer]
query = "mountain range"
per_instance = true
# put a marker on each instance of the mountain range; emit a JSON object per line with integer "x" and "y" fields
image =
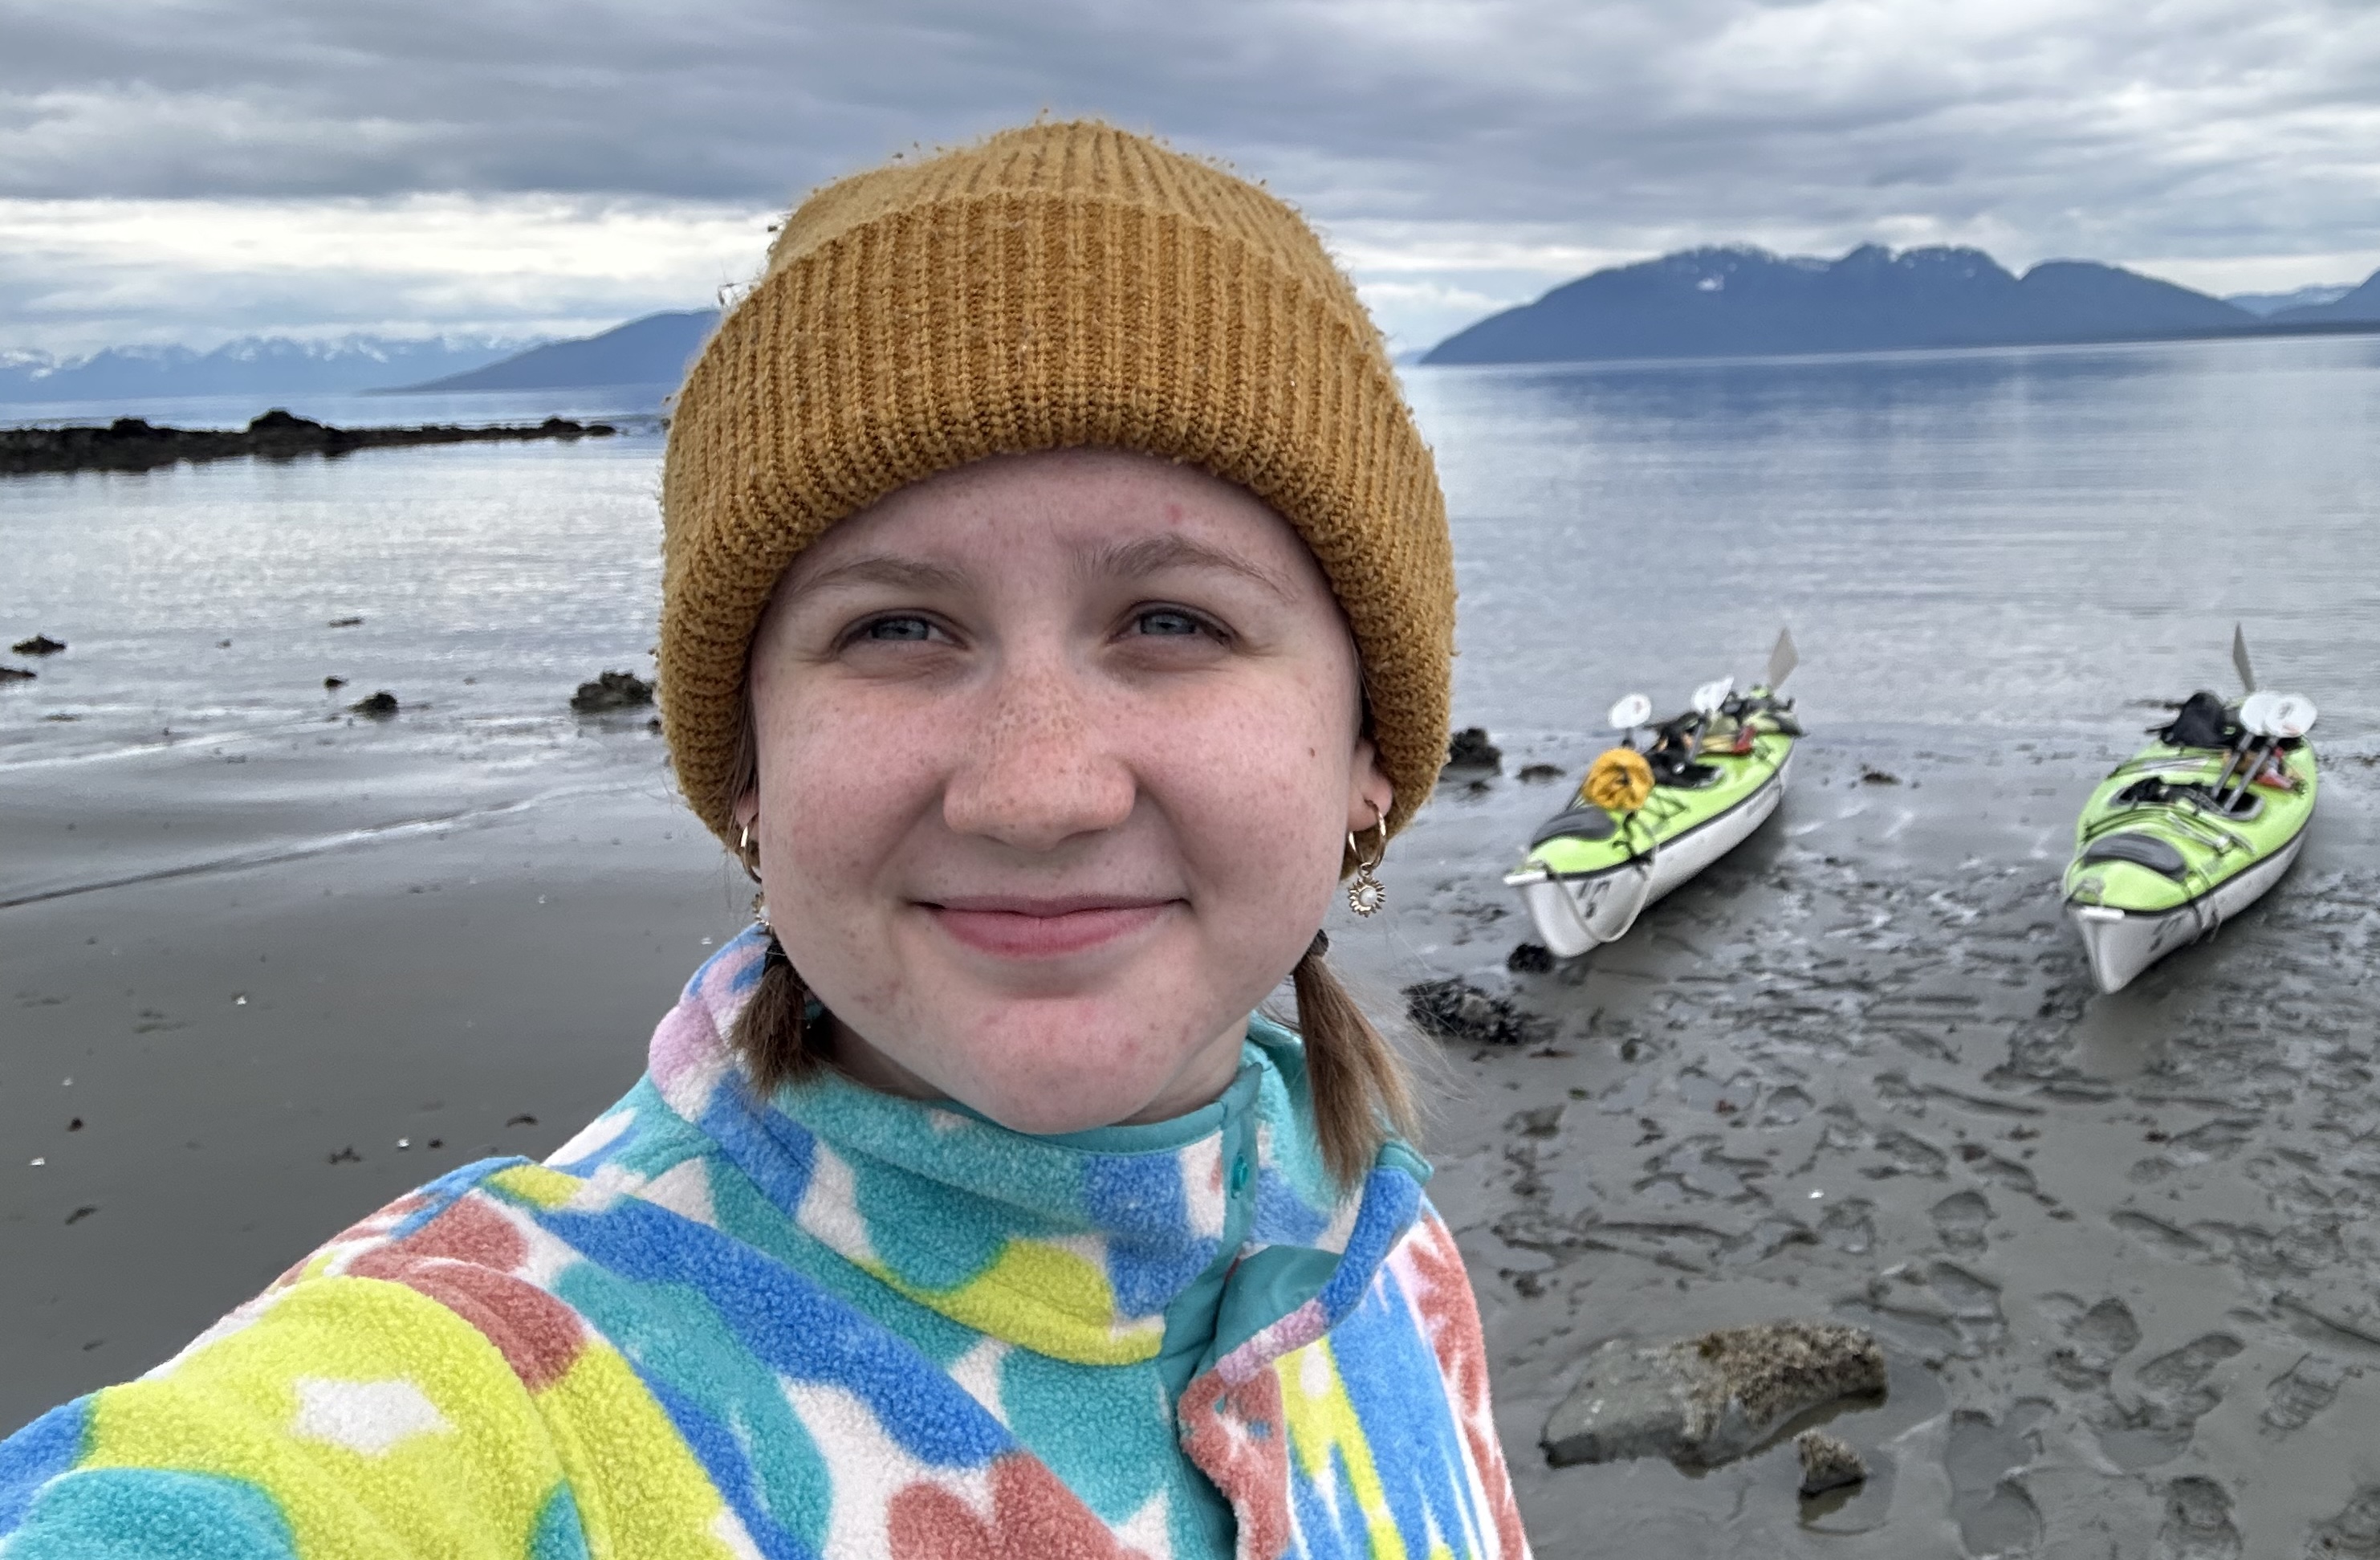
{"x": 1708, "y": 302}
{"x": 652, "y": 350}
{"x": 257, "y": 365}
{"x": 1743, "y": 301}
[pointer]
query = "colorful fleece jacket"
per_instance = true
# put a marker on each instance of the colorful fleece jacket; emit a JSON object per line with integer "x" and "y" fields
{"x": 841, "y": 1325}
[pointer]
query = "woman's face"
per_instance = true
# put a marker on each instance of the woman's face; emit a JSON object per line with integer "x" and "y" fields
{"x": 1057, "y": 757}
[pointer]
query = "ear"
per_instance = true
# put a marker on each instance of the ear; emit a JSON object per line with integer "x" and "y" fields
{"x": 1369, "y": 795}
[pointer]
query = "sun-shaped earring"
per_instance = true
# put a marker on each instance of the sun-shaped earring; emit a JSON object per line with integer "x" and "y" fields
{"x": 1368, "y": 894}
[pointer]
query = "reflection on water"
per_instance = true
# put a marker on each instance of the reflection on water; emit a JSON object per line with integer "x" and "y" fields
{"x": 2022, "y": 538}
{"x": 489, "y": 580}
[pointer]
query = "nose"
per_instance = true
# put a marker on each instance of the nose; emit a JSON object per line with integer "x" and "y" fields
{"x": 1039, "y": 768}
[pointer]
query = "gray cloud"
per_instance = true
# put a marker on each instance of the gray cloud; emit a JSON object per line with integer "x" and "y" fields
{"x": 2194, "y": 129}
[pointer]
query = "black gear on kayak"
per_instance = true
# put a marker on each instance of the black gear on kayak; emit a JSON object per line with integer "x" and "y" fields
{"x": 1672, "y": 754}
{"x": 2202, "y": 721}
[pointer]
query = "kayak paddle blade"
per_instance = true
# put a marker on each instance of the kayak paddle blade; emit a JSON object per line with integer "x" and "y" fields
{"x": 1781, "y": 660}
{"x": 2240, "y": 659}
{"x": 2291, "y": 715}
{"x": 1711, "y": 695}
{"x": 1630, "y": 712}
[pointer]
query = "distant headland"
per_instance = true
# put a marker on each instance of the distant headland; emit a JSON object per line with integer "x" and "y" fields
{"x": 131, "y": 444}
{"x": 1739, "y": 302}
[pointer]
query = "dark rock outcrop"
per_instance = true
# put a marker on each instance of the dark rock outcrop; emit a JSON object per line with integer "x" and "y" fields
{"x": 379, "y": 707}
{"x": 1457, "y": 1010}
{"x": 1471, "y": 749}
{"x": 130, "y": 443}
{"x": 40, "y": 644}
{"x": 613, "y": 690}
{"x": 1529, "y": 958}
{"x": 1827, "y": 1463}
{"x": 1706, "y": 1400}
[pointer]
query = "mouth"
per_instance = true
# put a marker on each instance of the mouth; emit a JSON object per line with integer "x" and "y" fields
{"x": 1020, "y": 928}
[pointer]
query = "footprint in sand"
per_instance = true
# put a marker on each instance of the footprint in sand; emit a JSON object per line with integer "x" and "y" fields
{"x": 2303, "y": 1390}
{"x": 2353, "y": 1534}
{"x": 1849, "y": 1226}
{"x": 2197, "y": 1522}
{"x": 1994, "y": 1513}
{"x": 2157, "y": 1427}
{"x": 2096, "y": 1338}
{"x": 1959, "y": 1219}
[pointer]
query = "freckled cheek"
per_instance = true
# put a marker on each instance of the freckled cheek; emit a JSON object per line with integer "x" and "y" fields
{"x": 1257, "y": 788}
{"x": 842, "y": 783}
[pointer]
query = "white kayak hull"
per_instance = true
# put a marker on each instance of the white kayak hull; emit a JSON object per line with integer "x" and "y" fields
{"x": 1572, "y": 915}
{"x": 2121, "y": 944}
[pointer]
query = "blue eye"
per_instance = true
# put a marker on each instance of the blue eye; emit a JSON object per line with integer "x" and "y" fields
{"x": 898, "y": 628}
{"x": 1165, "y": 620}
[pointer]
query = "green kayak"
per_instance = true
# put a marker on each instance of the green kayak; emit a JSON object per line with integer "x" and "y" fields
{"x": 2190, "y": 831}
{"x": 1716, "y": 774}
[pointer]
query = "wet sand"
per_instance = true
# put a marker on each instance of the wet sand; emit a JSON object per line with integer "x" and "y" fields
{"x": 2117, "y": 1250}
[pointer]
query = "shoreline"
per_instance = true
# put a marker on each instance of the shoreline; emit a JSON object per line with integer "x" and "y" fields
{"x": 131, "y": 444}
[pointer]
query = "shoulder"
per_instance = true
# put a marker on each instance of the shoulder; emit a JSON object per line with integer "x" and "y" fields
{"x": 413, "y": 1386}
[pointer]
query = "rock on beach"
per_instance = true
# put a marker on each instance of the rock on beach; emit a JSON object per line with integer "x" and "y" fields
{"x": 613, "y": 690}
{"x": 1457, "y": 1010}
{"x": 1704, "y": 1401}
{"x": 1827, "y": 1463}
{"x": 1472, "y": 750}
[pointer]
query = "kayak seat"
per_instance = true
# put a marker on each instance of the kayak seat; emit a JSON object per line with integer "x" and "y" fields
{"x": 1580, "y": 822}
{"x": 2143, "y": 850}
{"x": 2244, "y": 806}
{"x": 1688, "y": 777}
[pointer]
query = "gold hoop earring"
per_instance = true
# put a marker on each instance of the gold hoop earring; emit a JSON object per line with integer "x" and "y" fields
{"x": 747, "y": 851}
{"x": 1368, "y": 894}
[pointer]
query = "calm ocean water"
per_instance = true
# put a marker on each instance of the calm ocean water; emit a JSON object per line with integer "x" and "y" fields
{"x": 1994, "y": 542}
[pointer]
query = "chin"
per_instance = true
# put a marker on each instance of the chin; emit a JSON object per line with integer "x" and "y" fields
{"x": 1051, "y": 1074}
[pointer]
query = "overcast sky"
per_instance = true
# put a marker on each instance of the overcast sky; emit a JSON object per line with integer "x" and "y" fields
{"x": 197, "y": 170}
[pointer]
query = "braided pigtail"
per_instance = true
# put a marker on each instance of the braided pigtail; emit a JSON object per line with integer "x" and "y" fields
{"x": 1361, "y": 1093}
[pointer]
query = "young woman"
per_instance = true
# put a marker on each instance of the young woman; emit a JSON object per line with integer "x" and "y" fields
{"x": 1056, "y": 607}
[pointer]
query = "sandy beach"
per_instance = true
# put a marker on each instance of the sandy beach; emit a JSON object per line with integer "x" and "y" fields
{"x": 2116, "y": 1249}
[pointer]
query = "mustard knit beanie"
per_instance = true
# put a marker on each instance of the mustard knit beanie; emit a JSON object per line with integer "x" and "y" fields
{"x": 1056, "y": 285}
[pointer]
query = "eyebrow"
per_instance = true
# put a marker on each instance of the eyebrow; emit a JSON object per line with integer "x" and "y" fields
{"x": 1156, "y": 554}
{"x": 1127, "y": 560}
{"x": 884, "y": 568}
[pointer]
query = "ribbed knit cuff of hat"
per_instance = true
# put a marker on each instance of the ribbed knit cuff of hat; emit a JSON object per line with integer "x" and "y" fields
{"x": 1058, "y": 285}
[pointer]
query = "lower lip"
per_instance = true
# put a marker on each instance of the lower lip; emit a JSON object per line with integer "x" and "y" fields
{"x": 1011, "y": 935}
